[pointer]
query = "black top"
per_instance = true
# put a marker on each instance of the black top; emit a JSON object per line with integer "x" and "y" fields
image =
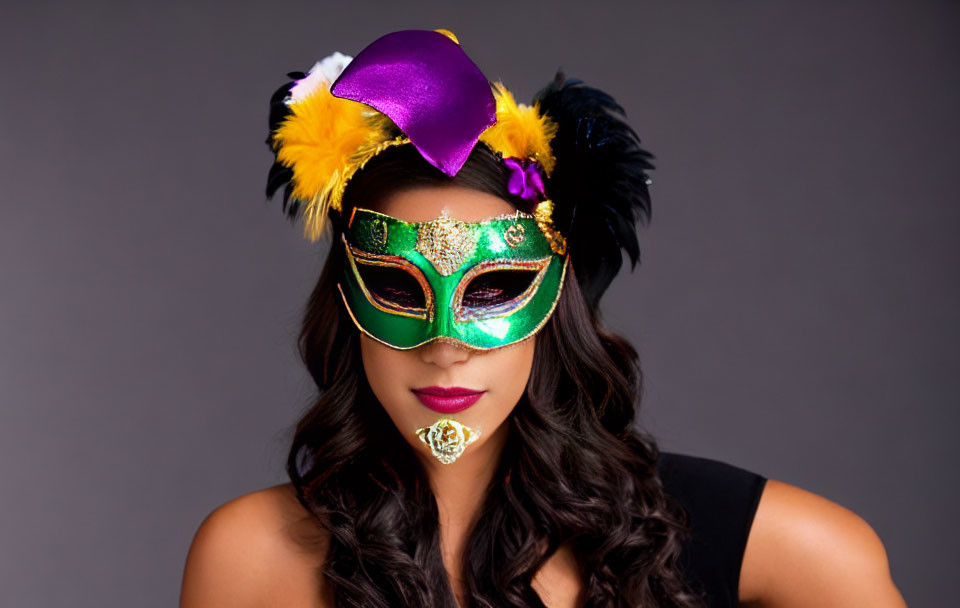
{"x": 720, "y": 500}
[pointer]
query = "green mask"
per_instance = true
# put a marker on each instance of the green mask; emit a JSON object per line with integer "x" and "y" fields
{"x": 480, "y": 284}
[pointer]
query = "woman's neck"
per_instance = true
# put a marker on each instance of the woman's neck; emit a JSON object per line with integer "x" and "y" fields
{"x": 460, "y": 489}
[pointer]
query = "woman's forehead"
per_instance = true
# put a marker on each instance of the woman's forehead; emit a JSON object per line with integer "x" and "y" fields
{"x": 422, "y": 204}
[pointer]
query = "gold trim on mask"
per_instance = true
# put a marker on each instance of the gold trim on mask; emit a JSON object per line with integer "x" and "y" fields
{"x": 515, "y": 215}
{"x": 391, "y": 261}
{"x": 463, "y": 314}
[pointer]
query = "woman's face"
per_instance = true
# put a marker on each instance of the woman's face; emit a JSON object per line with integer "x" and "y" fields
{"x": 397, "y": 375}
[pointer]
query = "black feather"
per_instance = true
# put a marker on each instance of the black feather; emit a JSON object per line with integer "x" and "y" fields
{"x": 599, "y": 183}
{"x": 293, "y": 202}
{"x": 278, "y": 109}
{"x": 280, "y": 175}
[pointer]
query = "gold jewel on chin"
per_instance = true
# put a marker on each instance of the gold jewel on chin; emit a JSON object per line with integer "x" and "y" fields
{"x": 447, "y": 439}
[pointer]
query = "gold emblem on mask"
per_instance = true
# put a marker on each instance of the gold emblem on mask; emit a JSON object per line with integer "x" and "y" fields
{"x": 447, "y": 439}
{"x": 378, "y": 234}
{"x": 446, "y": 242}
{"x": 514, "y": 235}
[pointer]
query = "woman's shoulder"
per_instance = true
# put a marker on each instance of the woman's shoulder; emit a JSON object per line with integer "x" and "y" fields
{"x": 805, "y": 549}
{"x": 256, "y": 549}
{"x": 766, "y": 542}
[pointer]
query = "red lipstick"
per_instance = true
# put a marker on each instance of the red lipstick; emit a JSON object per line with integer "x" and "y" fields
{"x": 447, "y": 399}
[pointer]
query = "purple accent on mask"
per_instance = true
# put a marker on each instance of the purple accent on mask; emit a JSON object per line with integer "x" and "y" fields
{"x": 524, "y": 182}
{"x": 424, "y": 82}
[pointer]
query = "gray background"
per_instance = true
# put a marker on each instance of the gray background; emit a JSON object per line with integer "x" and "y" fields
{"x": 796, "y": 308}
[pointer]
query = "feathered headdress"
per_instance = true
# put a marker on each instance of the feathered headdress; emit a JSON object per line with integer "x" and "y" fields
{"x": 570, "y": 153}
{"x": 600, "y": 185}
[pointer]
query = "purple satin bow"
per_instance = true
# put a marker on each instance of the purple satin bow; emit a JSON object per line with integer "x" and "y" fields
{"x": 525, "y": 181}
{"x": 429, "y": 88}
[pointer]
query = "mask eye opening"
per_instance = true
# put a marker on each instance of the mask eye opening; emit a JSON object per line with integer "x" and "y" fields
{"x": 387, "y": 281}
{"x": 471, "y": 291}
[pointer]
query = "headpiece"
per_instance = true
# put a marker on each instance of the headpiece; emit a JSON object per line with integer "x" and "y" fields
{"x": 482, "y": 284}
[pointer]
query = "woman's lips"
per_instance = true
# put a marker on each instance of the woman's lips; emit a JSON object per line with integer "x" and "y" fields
{"x": 447, "y": 400}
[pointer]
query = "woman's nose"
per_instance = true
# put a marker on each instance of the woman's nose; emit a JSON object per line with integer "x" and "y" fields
{"x": 444, "y": 353}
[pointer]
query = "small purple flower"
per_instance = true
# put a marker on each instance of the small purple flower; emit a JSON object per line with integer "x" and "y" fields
{"x": 525, "y": 180}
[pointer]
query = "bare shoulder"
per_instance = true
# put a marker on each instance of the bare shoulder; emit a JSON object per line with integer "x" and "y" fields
{"x": 261, "y": 549}
{"x": 805, "y": 550}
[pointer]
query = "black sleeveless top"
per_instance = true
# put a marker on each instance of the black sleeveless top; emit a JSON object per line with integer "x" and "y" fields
{"x": 720, "y": 500}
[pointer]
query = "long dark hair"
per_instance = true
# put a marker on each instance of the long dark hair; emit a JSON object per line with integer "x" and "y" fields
{"x": 574, "y": 470}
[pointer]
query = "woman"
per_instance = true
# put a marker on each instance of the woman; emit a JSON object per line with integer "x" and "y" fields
{"x": 472, "y": 440}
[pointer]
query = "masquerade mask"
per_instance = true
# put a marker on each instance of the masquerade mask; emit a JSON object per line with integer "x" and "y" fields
{"x": 483, "y": 285}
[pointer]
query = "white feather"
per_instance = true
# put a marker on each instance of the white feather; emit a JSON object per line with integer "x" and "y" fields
{"x": 323, "y": 73}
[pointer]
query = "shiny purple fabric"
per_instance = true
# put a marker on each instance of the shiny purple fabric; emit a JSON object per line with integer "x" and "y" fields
{"x": 428, "y": 87}
{"x": 525, "y": 181}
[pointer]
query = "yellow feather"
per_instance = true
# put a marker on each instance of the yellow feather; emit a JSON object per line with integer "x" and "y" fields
{"x": 316, "y": 141}
{"x": 520, "y": 131}
{"x": 315, "y": 213}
